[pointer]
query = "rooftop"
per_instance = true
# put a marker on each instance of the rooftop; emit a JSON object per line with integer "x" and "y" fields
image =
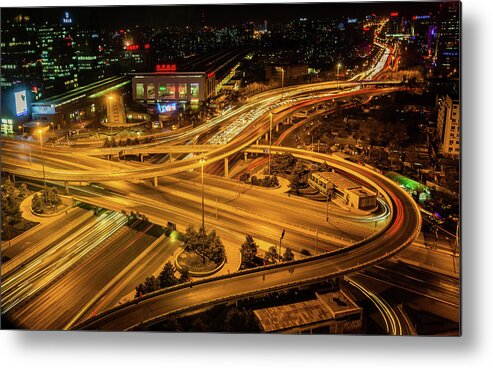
{"x": 340, "y": 181}
{"x": 324, "y": 308}
{"x": 92, "y": 90}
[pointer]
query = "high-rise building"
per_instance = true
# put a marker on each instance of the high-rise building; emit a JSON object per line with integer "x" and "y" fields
{"x": 448, "y": 50}
{"x": 21, "y": 76}
{"x": 448, "y": 125}
{"x": 424, "y": 31}
{"x": 58, "y": 56}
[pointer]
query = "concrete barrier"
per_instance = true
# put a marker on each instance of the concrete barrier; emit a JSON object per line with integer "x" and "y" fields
{"x": 195, "y": 273}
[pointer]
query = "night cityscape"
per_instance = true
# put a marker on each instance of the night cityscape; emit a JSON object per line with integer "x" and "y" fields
{"x": 278, "y": 168}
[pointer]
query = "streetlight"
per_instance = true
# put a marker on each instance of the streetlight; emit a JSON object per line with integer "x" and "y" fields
{"x": 281, "y": 69}
{"x": 108, "y": 113}
{"x": 42, "y": 157}
{"x": 337, "y": 76}
{"x": 270, "y": 139}
{"x": 203, "y": 161}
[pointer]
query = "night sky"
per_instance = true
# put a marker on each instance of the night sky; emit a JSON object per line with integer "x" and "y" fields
{"x": 215, "y": 15}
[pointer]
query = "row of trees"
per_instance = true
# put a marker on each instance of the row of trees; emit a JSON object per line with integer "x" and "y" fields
{"x": 165, "y": 279}
{"x": 269, "y": 181}
{"x": 111, "y": 142}
{"x": 249, "y": 257}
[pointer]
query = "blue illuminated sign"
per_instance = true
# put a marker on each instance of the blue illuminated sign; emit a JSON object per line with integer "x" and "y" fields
{"x": 20, "y": 103}
{"x": 67, "y": 19}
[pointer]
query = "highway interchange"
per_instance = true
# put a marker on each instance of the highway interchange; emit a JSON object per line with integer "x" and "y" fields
{"x": 350, "y": 243}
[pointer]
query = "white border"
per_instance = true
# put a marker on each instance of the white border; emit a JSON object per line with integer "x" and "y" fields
{"x": 474, "y": 349}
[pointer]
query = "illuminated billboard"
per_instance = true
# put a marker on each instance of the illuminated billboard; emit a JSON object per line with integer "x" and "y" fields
{"x": 20, "y": 103}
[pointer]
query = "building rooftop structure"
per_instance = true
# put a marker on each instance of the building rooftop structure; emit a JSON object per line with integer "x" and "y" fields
{"x": 328, "y": 309}
{"x": 340, "y": 181}
{"x": 92, "y": 90}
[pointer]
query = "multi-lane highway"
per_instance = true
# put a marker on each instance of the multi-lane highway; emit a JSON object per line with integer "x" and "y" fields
{"x": 351, "y": 246}
{"x": 400, "y": 232}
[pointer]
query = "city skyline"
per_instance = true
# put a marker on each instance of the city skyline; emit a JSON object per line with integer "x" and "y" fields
{"x": 215, "y": 14}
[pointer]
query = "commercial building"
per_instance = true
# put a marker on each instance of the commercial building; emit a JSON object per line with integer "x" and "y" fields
{"x": 292, "y": 73}
{"x": 448, "y": 51}
{"x": 191, "y": 83}
{"x": 331, "y": 312}
{"x": 21, "y": 71}
{"x": 80, "y": 104}
{"x": 352, "y": 194}
{"x": 448, "y": 125}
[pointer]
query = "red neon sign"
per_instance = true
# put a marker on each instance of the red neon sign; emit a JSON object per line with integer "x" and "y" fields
{"x": 132, "y": 47}
{"x": 147, "y": 46}
{"x": 166, "y": 68}
{"x": 211, "y": 74}
{"x": 394, "y": 14}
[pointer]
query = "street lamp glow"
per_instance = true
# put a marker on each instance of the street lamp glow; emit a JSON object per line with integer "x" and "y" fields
{"x": 42, "y": 157}
{"x": 203, "y": 161}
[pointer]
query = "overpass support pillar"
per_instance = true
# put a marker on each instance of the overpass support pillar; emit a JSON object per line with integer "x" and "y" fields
{"x": 155, "y": 182}
{"x": 13, "y": 178}
{"x": 277, "y": 127}
{"x": 66, "y": 188}
{"x": 171, "y": 158}
{"x": 258, "y": 140}
{"x": 245, "y": 156}
{"x": 267, "y": 136}
{"x": 141, "y": 157}
{"x": 226, "y": 167}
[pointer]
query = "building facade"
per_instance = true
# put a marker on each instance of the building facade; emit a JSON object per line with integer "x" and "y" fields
{"x": 168, "y": 89}
{"x": 448, "y": 125}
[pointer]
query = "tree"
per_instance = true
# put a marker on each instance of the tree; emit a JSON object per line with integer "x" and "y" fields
{"x": 185, "y": 276}
{"x": 248, "y": 251}
{"x": 11, "y": 213}
{"x": 51, "y": 197}
{"x": 151, "y": 284}
{"x": 288, "y": 255}
{"x": 305, "y": 252}
{"x": 23, "y": 191}
{"x": 297, "y": 181}
{"x": 167, "y": 276}
{"x": 37, "y": 203}
{"x": 271, "y": 255}
{"x": 207, "y": 246}
{"x": 236, "y": 320}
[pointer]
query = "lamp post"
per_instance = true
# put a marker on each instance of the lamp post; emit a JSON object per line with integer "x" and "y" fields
{"x": 281, "y": 69}
{"x": 270, "y": 139}
{"x": 42, "y": 157}
{"x": 203, "y": 161}
{"x": 327, "y": 206}
{"x": 108, "y": 113}
{"x": 337, "y": 76}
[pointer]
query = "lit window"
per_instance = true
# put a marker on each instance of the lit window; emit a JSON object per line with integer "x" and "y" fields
{"x": 182, "y": 91}
{"x": 194, "y": 90}
{"x": 151, "y": 93}
{"x": 139, "y": 91}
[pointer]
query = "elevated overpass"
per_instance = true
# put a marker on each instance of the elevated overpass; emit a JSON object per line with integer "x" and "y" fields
{"x": 254, "y": 131}
{"x": 396, "y": 235}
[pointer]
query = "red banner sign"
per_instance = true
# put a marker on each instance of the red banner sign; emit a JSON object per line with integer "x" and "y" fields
{"x": 166, "y": 68}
